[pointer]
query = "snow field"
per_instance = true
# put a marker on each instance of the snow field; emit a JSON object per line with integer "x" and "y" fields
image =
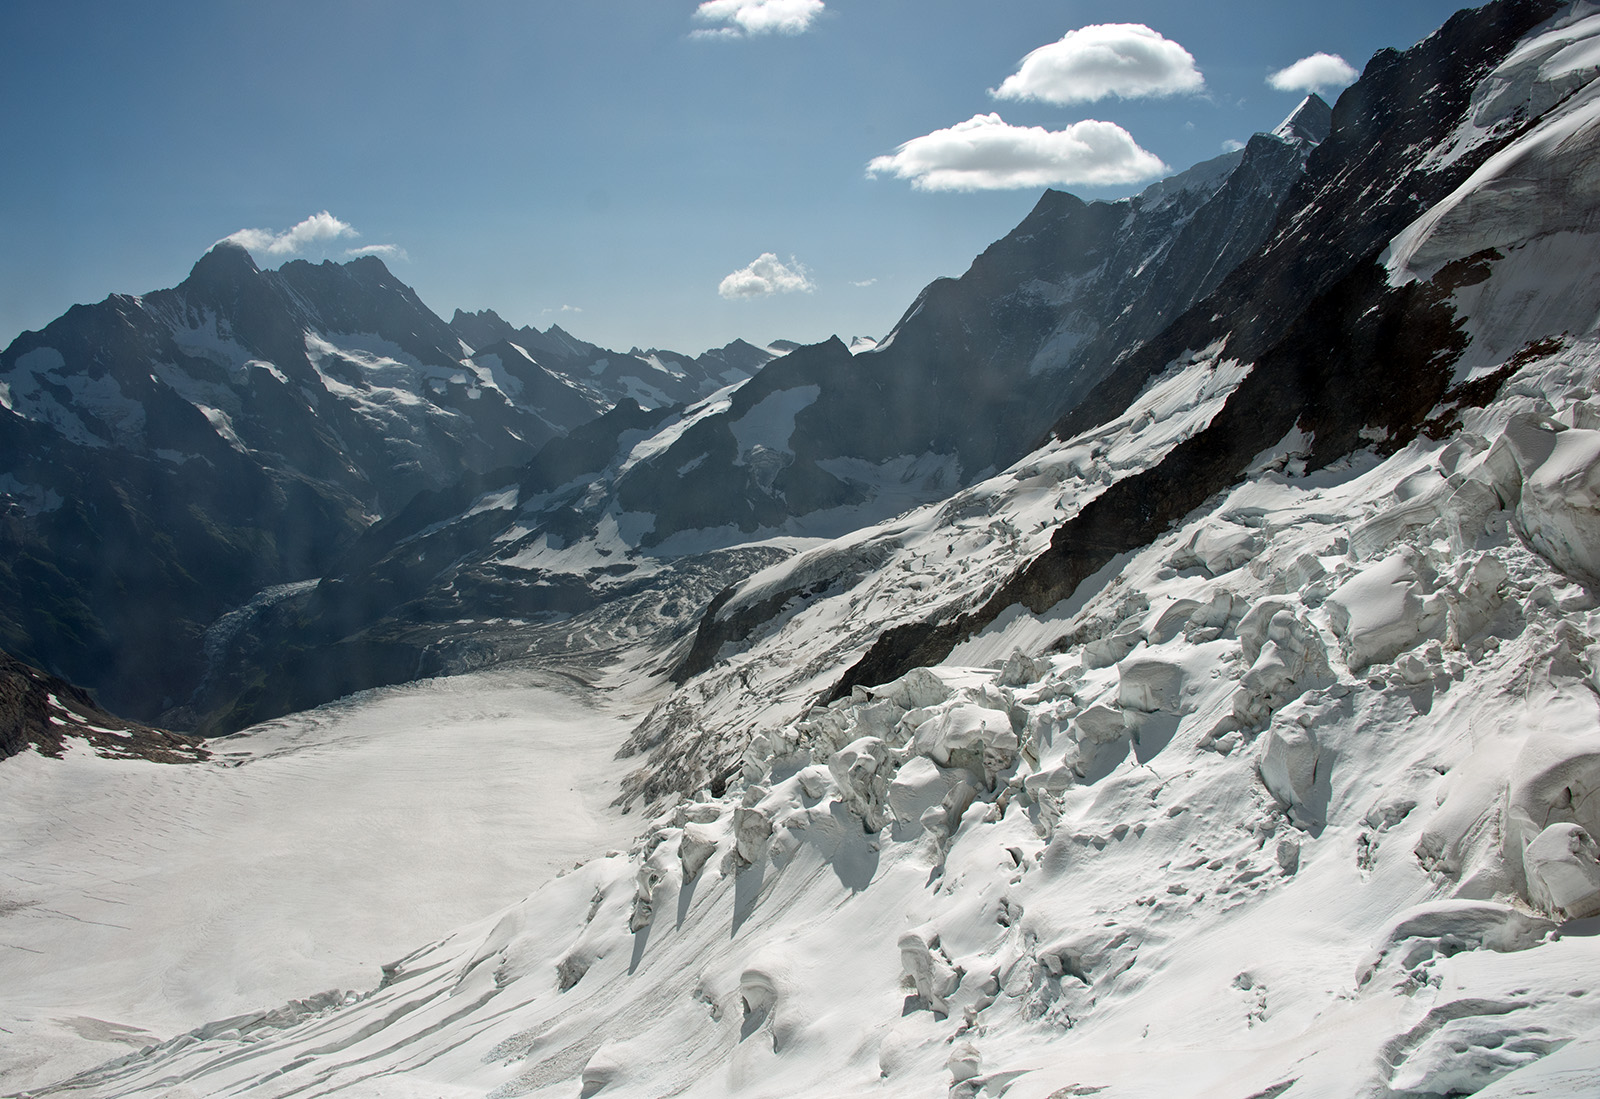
{"x": 139, "y": 900}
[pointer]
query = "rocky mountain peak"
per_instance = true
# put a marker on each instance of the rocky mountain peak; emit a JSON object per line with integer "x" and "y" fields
{"x": 226, "y": 264}
{"x": 1311, "y": 121}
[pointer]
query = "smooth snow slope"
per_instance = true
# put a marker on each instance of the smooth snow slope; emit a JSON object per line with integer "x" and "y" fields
{"x": 138, "y": 900}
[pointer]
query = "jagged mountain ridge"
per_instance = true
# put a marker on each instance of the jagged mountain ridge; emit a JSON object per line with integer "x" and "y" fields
{"x": 652, "y": 378}
{"x": 979, "y": 366}
{"x": 234, "y": 433}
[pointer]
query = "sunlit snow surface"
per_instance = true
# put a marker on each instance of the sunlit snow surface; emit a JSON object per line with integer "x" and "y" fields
{"x": 138, "y": 900}
{"x": 1213, "y": 848}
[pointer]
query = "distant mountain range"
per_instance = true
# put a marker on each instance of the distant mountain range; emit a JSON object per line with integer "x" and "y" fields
{"x": 166, "y": 458}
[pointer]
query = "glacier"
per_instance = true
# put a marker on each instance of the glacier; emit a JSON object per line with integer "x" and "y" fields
{"x": 1293, "y": 790}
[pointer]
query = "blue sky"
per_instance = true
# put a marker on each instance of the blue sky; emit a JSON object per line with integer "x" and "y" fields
{"x": 602, "y": 164}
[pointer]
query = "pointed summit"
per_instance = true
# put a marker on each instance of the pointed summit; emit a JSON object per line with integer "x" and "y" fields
{"x": 226, "y": 264}
{"x": 1311, "y": 121}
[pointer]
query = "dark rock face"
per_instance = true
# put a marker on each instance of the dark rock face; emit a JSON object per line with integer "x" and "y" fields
{"x": 42, "y": 712}
{"x": 1335, "y": 349}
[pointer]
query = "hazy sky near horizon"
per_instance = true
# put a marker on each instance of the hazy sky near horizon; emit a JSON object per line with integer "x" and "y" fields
{"x": 644, "y": 172}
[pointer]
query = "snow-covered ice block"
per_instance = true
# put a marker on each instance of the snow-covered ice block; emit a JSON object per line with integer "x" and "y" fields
{"x": 1254, "y": 625}
{"x": 1288, "y": 764}
{"x": 1099, "y": 724}
{"x": 964, "y": 735}
{"x": 919, "y": 687}
{"x": 1020, "y": 669}
{"x": 1559, "y": 511}
{"x": 854, "y": 765}
{"x": 1563, "y": 868}
{"x": 964, "y": 1063}
{"x": 751, "y": 830}
{"x": 1150, "y": 685}
{"x": 862, "y": 771}
{"x": 1555, "y": 778}
{"x": 1384, "y": 609}
{"x": 1451, "y": 926}
{"x": 1469, "y": 1052}
{"x": 1173, "y": 620}
{"x": 1473, "y": 596}
{"x": 918, "y": 786}
{"x": 695, "y": 847}
{"x": 1103, "y": 652}
{"x": 1385, "y": 528}
{"x": 934, "y": 977}
{"x": 1219, "y": 547}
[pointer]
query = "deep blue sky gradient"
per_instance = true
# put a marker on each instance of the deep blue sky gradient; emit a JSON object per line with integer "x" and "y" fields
{"x": 585, "y": 153}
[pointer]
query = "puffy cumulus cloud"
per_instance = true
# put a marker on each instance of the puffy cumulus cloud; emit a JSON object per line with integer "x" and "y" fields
{"x": 1314, "y": 73}
{"x": 766, "y": 275}
{"x": 316, "y": 229}
{"x": 737, "y": 18}
{"x": 986, "y": 153}
{"x": 1123, "y": 59}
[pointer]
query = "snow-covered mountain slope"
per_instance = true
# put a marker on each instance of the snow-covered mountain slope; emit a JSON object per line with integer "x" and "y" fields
{"x": 38, "y": 711}
{"x": 138, "y": 900}
{"x": 1296, "y": 801}
{"x": 1337, "y": 350}
{"x": 979, "y": 366}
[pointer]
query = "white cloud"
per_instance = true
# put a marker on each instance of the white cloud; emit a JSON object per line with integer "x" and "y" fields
{"x": 764, "y": 276}
{"x": 316, "y": 229}
{"x": 1232, "y": 145}
{"x": 389, "y": 251}
{"x": 1123, "y": 59}
{"x": 985, "y": 153}
{"x": 1314, "y": 73}
{"x": 865, "y": 283}
{"x": 746, "y": 17}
